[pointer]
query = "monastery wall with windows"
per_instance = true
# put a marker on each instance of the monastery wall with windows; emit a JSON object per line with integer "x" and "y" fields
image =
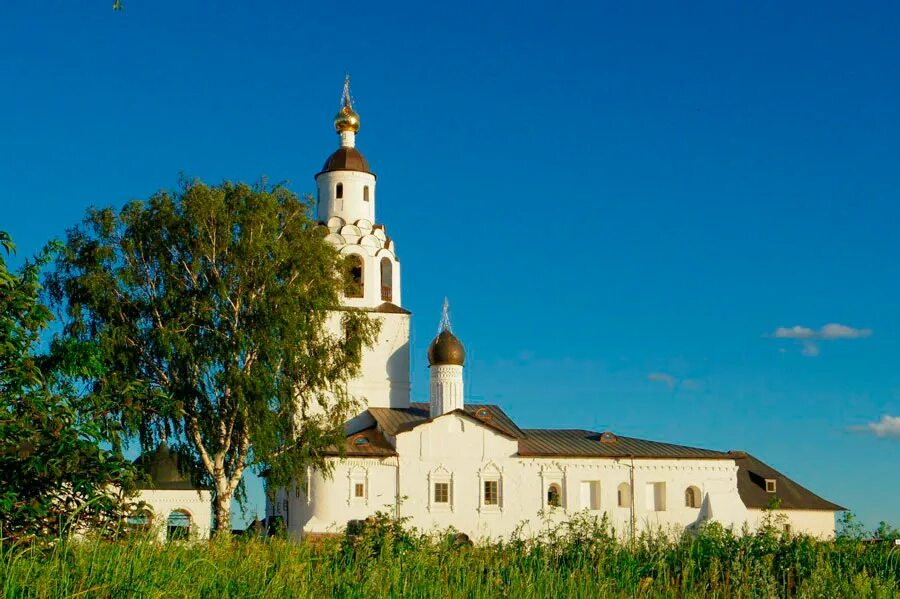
{"x": 455, "y": 472}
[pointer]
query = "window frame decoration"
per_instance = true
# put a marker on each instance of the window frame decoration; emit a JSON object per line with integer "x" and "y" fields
{"x": 490, "y": 473}
{"x": 553, "y": 474}
{"x": 357, "y": 475}
{"x": 440, "y": 475}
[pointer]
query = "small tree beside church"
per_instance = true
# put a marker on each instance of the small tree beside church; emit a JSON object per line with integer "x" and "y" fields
{"x": 58, "y": 472}
{"x": 210, "y": 308}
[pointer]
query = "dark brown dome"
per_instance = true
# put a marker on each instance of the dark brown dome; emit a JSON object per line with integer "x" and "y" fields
{"x": 446, "y": 349}
{"x": 346, "y": 159}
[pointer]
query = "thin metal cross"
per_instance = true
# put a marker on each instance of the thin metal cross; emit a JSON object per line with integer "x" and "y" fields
{"x": 445, "y": 317}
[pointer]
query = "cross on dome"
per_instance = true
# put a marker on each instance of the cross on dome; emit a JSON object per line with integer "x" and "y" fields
{"x": 346, "y": 119}
{"x": 445, "y": 317}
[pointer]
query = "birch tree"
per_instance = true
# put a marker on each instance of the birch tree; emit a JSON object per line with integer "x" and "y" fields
{"x": 210, "y": 306}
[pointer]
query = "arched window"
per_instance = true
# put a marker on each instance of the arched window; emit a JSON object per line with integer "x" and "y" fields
{"x": 353, "y": 276}
{"x": 554, "y": 495}
{"x": 339, "y": 191}
{"x": 140, "y": 521}
{"x": 624, "y": 493}
{"x": 692, "y": 497}
{"x": 366, "y": 193}
{"x": 387, "y": 279}
{"x": 178, "y": 525}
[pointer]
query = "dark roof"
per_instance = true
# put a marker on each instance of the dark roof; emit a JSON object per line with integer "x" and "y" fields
{"x": 399, "y": 420}
{"x": 752, "y": 475}
{"x": 346, "y": 159}
{"x": 375, "y": 445}
{"x": 164, "y": 470}
{"x": 587, "y": 444}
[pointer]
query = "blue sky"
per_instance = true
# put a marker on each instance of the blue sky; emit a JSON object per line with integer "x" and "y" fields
{"x": 636, "y": 196}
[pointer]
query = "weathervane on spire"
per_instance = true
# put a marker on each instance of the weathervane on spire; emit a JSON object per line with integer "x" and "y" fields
{"x": 445, "y": 317}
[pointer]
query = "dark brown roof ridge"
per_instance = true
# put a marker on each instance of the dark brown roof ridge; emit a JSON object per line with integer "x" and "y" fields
{"x": 375, "y": 446}
{"x": 396, "y": 420}
{"x": 405, "y": 428}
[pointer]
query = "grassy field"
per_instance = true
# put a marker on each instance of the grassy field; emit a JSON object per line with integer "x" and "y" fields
{"x": 579, "y": 560}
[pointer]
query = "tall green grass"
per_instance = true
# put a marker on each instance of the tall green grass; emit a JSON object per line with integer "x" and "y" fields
{"x": 578, "y": 559}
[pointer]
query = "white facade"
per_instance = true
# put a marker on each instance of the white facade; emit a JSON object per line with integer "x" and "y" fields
{"x": 448, "y": 466}
{"x": 815, "y": 523}
{"x": 460, "y": 451}
{"x": 195, "y": 504}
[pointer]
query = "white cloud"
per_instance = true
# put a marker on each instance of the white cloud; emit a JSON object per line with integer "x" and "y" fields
{"x": 809, "y": 338}
{"x": 673, "y": 382}
{"x": 888, "y": 426}
{"x": 810, "y": 349}
{"x": 842, "y": 331}
{"x": 795, "y": 332}
{"x": 661, "y": 377}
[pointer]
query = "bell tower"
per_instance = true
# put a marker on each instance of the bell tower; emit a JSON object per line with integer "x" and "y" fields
{"x": 346, "y": 205}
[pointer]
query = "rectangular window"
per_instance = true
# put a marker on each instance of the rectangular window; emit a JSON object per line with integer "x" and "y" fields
{"x": 656, "y": 497}
{"x": 442, "y": 492}
{"x": 491, "y": 492}
{"x": 590, "y": 494}
{"x": 770, "y": 485}
{"x": 359, "y": 490}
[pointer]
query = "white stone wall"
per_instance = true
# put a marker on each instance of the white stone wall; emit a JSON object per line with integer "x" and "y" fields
{"x": 460, "y": 451}
{"x": 446, "y": 389}
{"x": 352, "y": 206}
{"x": 815, "y": 523}
{"x": 384, "y": 369}
{"x": 198, "y": 504}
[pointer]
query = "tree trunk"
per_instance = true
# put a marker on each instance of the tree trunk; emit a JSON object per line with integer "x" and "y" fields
{"x": 222, "y": 512}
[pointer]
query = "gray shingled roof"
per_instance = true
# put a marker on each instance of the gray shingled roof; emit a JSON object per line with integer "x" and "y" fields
{"x": 587, "y": 444}
{"x": 752, "y": 475}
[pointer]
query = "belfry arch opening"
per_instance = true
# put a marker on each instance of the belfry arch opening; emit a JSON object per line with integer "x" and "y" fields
{"x": 353, "y": 276}
{"x": 387, "y": 280}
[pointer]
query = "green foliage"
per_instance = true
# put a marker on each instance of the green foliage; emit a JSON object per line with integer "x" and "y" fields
{"x": 209, "y": 311}
{"x": 382, "y": 559}
{"x": 55, "y": 474}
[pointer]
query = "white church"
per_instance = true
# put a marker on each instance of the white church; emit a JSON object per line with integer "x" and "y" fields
{"x": 449, "y": 463}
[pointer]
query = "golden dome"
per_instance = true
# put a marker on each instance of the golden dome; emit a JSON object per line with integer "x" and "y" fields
{"x": 346, "y": 119}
